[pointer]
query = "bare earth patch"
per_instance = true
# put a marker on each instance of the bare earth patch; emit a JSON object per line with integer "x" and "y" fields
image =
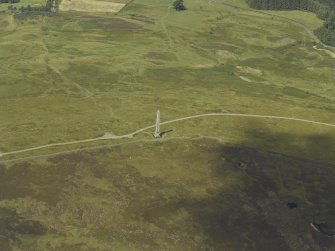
{"x": 245, "y": 79}
{"x": 200, "y": 66}
{"x": 249, "y": 70}
{"x": 90, "y": 6}
{"x": 225, "y": 54}
{"x": 286, "y": 41}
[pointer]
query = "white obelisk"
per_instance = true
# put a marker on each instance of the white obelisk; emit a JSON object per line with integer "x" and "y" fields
{"x": 157, "y": 133}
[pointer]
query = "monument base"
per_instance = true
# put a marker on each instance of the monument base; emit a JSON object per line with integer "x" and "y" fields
{"x": 157, "y": 135}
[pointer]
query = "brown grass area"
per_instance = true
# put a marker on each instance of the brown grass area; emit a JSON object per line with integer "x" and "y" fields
{"x": 90, "y": 6}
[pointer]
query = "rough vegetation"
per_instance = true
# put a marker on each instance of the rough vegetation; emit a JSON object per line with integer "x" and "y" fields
{"x": 219, "y": 183}
{"x": 176, "y": 195}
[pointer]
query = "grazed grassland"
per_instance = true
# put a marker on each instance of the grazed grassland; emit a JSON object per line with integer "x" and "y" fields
{"x": 72, "y": 76}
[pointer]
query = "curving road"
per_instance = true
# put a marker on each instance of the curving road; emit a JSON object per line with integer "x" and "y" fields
{"x": 90, "y": 148}
{"x": 130, "y": 135}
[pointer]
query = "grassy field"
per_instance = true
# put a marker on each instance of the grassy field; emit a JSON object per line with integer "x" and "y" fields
{"x": 210, "y": 184}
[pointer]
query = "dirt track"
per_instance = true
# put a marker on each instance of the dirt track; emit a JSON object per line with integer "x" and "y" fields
{"x": 130, "y": 135}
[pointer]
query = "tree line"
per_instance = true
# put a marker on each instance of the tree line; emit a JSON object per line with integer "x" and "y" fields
{"x": 179, "y": 5}
{"x": 324, "y": 9}
{"x": 49, "y": 6}
{"x": 9, "y": 1}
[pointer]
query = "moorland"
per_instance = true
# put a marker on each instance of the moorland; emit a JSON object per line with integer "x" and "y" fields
{"x": 212, "y": 183}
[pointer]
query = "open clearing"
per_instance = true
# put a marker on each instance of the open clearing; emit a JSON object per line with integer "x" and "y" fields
{"x": 214, "y": 182}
